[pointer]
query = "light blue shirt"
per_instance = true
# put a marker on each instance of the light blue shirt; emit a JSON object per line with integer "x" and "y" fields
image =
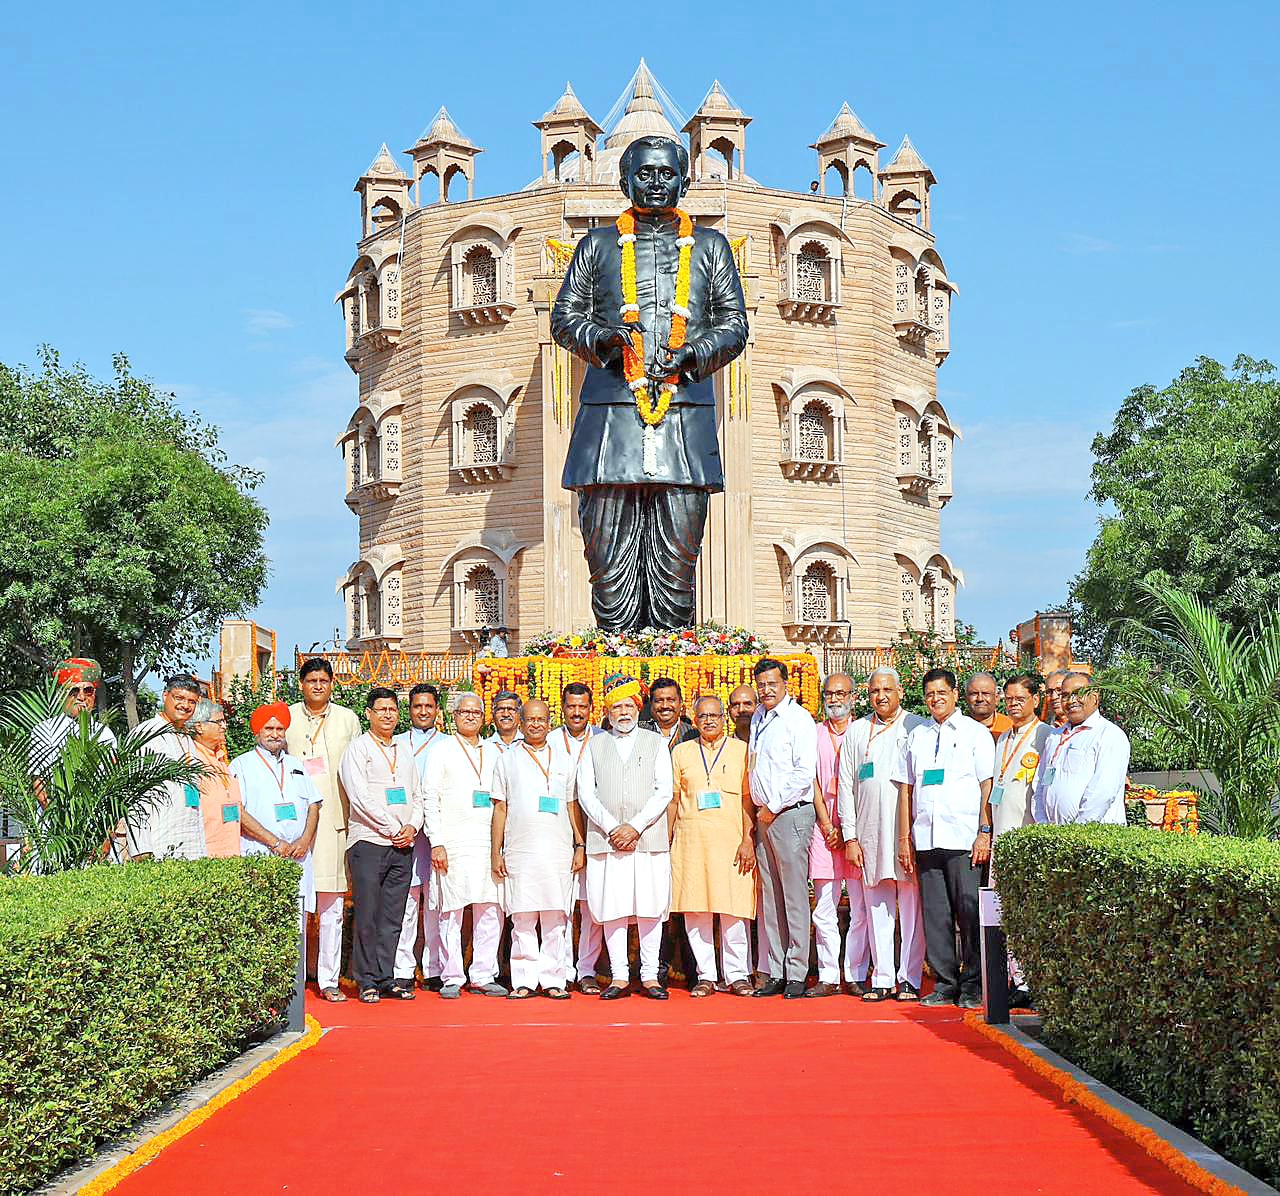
{"x": 783, "y": 752}
{"x": 498, "y": 647}
{"x": 1082, "y": 773}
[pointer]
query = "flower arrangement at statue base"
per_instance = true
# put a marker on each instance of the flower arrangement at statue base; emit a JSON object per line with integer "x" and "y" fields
{"x": 1176, "y": 810}
{"x": 706, "y": 639}
{"x": 696, "y": 673}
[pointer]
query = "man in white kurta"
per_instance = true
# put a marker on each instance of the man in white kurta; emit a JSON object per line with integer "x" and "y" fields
{"x": 1018, "y": 752}
{"x": 279, "y": 797}
{"x": 534, "y": 856}
{"x": 459, "y": 814}
{"x": 868, "y": 801}
{"x": 570, "y": 741}
{"x": 173, "y": 827}
{"x": 1084, "y": 764}
{"x": 624, "y": 787}
{"x": 422, "y": 909}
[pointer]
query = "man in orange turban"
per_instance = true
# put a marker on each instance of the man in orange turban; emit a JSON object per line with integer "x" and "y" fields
{"x": 265, "y": 713}
{"x": 80, "y": 678}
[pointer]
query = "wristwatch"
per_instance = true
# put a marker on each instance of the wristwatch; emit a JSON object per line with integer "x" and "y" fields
{"x": 984, "y": 830}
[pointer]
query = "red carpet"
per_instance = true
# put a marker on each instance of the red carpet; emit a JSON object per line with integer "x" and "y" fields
{"x": 724, "y": 1094}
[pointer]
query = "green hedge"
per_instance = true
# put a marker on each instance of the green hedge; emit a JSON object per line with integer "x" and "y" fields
{"x": 119, "y": 986}
{"x": 1154, "y": 960}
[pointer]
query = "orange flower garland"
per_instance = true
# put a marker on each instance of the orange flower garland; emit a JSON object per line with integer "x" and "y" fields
{"x": 633, "y": 354}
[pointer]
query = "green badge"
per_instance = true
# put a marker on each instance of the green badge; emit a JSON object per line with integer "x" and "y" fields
{"x": 192, "y": 795}
{"x": 866, "y": 770}
{"x": 934, "y": 776}
{"x": 1048, "y": 776}
{"x": 548, "y": 804}
{"x": 480, "y": 798}
{"x": 230, "y": 813}
{"x": 709, "y": 799}
{"x": 997, "y": 794}
{"x": 286, "y": 811}
{"x": 396, "y": 796}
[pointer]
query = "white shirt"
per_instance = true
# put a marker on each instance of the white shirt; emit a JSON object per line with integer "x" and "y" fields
{"x": 654, "y": 808}
{"x": 48, "y": 738}
{"x": 783, "y": 755}
{"x": 945, "y": 764}
{"x": 174, "y": 827}
{"x": 1082, "y": 773}
{"x": 496, "y": 740}
{"x": 498, "y": 647}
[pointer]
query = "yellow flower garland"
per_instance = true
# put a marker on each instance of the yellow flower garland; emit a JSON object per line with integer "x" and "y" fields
{"x": 633, "y": 354}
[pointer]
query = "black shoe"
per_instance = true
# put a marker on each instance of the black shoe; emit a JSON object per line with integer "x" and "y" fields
{"x": 432, "y": 984}
{"x": 615, "y": 993}
{"x": 937, "y": 998}
{"x": 1019, "y": 998}
{"x": 770, "y": 988}
{"x": 971, "y": 1001}
{"x": 655, "y": 992}
{"x": 793, "y": 989}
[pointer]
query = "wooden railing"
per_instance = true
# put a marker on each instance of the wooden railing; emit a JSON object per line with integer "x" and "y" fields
{"x": 399, "y": 670}
{"x": 964, "y": 659}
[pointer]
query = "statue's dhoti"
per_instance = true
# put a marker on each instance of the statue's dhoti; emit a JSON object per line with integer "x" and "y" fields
{"x": 642, "y": 545}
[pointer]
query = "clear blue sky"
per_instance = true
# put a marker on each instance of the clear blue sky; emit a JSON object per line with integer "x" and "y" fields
{"x": 178, "y": 186}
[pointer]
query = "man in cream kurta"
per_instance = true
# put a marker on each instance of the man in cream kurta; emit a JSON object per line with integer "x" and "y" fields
{"x": 868, "y": 801}
{"x": 319, "y": 732}
{"x": 713, "y": 857}
{"x": 459, "y": 814}
{"x": 534, "y": 853}
{"x": 624, "y": 788}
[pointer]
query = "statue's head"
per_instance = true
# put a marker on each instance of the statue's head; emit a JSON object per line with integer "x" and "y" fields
{"x": 655, "y": 172}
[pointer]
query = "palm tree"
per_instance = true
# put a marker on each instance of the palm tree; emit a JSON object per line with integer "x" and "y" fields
{"x": 1215, "y": 694}
{"x": 69, "y": 800}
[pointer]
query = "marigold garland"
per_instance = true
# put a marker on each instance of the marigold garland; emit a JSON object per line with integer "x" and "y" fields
{"x": 153, "y": 1146}
{"x": 633, "y": 354}
{"x": 1074, "y": 1092}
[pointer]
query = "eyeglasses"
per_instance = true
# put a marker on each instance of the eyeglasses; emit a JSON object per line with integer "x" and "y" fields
{"x": 711, "y": 714}
{"x": 469, "y": 714}
{"x": 83, "y": 691}
{"x": 837, "y": 693}
{"x": 215, "y": 722}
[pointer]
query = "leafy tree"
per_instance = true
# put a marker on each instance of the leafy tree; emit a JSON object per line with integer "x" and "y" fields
{"x": 1188, "y": 477}
{"x": 125, "y": 533}
{"x": 1214, "y": 692}
{"x": 70, "y": 800}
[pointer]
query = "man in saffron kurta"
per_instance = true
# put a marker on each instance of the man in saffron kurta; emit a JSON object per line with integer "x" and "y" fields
{"x": 828, "y": 868}
{"x": 319, "y": 732}
{"x": 869, "y": 814}
{"x": 712, "y": 855}
{"x": 534, "y": 856}
{"x": 624, "y": 788}
{"x": 459, "y": 816}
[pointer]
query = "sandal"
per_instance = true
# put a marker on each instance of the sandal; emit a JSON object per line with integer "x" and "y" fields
{"x": 704, "y": 988}
{"x": 557, "y": 994}
{"x": 590, "y": 986}
{"x": 520, "y": 994}
{"x": 741, "y": 988}
{"x": 399, "y": 993}
{"x": 877, "y": 994}
{"x": 370, "y": 996}
{"x": 333, "y": 994}
{"x": 908, "y": 992}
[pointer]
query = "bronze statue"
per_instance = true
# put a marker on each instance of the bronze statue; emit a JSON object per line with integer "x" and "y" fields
{"x": 644, "y": 456}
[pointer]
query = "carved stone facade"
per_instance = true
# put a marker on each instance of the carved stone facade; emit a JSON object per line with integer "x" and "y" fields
{"x": 837, "y": 453}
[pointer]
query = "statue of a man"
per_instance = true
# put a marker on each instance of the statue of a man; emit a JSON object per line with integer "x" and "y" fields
{"x": 644, "y": 457}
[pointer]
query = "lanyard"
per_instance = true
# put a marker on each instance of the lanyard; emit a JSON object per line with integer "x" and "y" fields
{"x": 391, "y": 759}
{"x": 835, "y": 747}
{"x": 532, "y": 753}
{"x": 709, "y": 770}
{"x": 878, "y": 722}
{"x": 757, "y": 732}
{"x": 430, "y": 735}
{"x": 466, "y": 751}
{"x": 1013, "y": 751}
{"x": 937, "y": 744}
{"x": 671, "y": 739}
{"x": 279, "y": 780}
{"x": 568, "y": 739}
{"x": 1065, "y": 738}
{"x": 311, "y": 739}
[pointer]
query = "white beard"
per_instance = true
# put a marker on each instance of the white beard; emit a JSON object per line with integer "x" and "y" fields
{"x": 625, "y": 725}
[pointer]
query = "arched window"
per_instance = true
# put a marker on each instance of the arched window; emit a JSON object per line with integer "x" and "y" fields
{"x": 480, "y": 429}
{"x": 481, "y": 270}
{"x": 485, "y": 597}
{"x": 813, "y": 273}
{"x": 385, "y": 212}
{"x": 814, "y": 433}
{"x": 817, "y": 593}
{"x": 372, "y": 303}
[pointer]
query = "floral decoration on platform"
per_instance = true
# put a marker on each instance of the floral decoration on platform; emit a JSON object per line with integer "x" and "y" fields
{"x": 707, "y": 639}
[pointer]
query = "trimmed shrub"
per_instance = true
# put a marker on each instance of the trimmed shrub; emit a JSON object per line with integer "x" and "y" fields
{"x": 1155, "y": 963}
{"x": 121, "y": 985}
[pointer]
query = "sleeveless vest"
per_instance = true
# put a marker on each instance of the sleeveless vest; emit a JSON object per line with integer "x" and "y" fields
{"x": 625, "y": 787}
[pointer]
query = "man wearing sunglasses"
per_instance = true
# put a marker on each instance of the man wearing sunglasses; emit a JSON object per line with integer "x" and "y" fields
{"x": 79, "y": 678}
{"x": 1084, "y": 762}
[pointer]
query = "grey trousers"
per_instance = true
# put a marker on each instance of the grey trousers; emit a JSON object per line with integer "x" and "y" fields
{"x": 642, "y": 545}
{"x": 782, "y": 855}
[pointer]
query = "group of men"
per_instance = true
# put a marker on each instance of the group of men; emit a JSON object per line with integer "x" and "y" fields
{"x": 758, "y": 818}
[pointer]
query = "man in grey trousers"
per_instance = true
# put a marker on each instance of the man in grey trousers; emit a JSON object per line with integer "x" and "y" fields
{"x": 782, "y": 758}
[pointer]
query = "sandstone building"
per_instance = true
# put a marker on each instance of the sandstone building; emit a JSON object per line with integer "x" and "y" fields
{"x": 837, "y": 453}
